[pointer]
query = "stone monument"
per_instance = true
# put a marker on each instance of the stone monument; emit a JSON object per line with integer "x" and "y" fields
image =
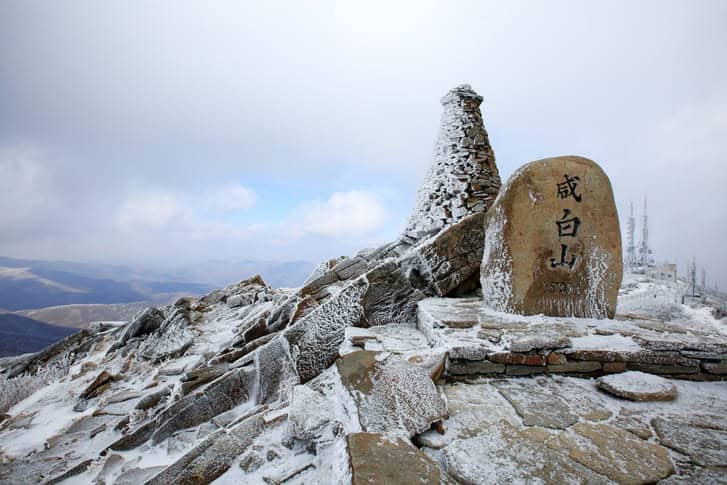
{"x": 463, "y": 178}
{"x": 553, "y": 242}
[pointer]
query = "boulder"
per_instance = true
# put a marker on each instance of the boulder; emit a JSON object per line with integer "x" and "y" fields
{"x": 463, "y": 178}
{"x": 638, "y": 386}
{"x": 315, "y": 339}
{"x": 377, "y": 459}
{"x": 309, "y": 413}
{"x": 553, "y": 242}
{"x": 146, "y": 322}
{"x": 99, "y": 385}
{"x": 392, "y": 395}
{"x": 451, "y": 260}
{"x": 213, "y": 456}
{"x": 151, "y": 400}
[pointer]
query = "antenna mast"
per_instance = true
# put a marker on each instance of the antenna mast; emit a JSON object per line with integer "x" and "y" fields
{"x": 630, "y": 247}
{"x": 644, "y": 246}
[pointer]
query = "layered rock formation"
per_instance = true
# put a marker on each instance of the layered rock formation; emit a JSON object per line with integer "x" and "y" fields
{"x": 463, "y": 178}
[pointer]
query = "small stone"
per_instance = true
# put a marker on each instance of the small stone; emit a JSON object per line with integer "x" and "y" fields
{"x": 472, "y": 368}
{"x": 638, "y": 386}
{"x": 513, "y": 358}
{"x": 575, "y": 367}
{"x": 555, "y": 358}
{"x": 614, "y": 367}
{"x": 523, "y": 370}
{"x": 715, "y": 367}
{"x": 251, "y": 461}
{"x": 272, "y": 455}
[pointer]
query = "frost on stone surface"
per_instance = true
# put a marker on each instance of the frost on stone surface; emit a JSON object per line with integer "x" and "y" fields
{"x": 496, "y": 269}
{"x": 638, "y": 386}
{"x": 314, "y": 341}
{"x": 463, "y": 178}
{"x": 392, "y": 395}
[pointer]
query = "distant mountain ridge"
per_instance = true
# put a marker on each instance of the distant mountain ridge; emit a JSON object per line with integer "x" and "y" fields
{"x": 31, "y": 284}
{"x": 20, "y": 335}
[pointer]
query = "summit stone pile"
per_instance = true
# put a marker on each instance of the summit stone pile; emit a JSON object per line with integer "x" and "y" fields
{"x": 463, "y": 178}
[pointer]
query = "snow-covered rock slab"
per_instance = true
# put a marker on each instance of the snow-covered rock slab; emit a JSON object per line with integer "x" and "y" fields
{"x": 392, "y": 395}
{"x": 638, "y": 386}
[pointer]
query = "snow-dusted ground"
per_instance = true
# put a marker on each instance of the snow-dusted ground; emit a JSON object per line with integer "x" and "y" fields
{"x": 44, "y": 432}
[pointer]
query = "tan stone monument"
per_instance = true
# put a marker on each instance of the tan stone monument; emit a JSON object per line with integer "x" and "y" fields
{"x": 553, "y": 242}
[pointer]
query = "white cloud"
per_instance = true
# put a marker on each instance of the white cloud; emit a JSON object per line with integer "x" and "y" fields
{"x": 24, "y": 187}
{"x": 231, "y": 198}
{"x": 149, "y": 209}
{"x": 355, "y": 212}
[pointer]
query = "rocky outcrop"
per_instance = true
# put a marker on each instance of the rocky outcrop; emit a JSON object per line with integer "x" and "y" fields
{"x": 146, "y": 322}
{"x": 450, "y": 262}
{"x": 463, "y": 178}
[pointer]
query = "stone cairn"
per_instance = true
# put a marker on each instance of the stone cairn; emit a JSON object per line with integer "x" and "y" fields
{"x": 463, "y": 178}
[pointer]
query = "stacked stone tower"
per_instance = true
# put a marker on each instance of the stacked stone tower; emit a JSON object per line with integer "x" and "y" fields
{"x": 463, "y": 178}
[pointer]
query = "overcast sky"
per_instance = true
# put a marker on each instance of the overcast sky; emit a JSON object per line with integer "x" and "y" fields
{"x": 176, "y": 132}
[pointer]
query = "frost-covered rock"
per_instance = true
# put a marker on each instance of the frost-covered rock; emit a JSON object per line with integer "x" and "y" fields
{"x": 392, "y": 395}
{"x": 450, "y": 261}
{"x": 146, "y": 322}
{"x": 504, "y": 454}
{"x": 315, "y": 339}
{"x": 463, "y": 178}
{"x": 377, "y": 459}
{"x": 638, "y": 386}
{"x": 309, "y": 413}
{"x": 553, "y": 242}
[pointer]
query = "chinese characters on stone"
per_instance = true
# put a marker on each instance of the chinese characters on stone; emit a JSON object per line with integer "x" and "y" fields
{"x": 568, "y": 224}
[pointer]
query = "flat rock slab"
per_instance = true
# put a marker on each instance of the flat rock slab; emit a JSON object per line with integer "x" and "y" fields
{"x": 537, "y": 406}
{"x": 638, "y": 386}
{"x": 704, "y": 446}
{"x": 504, "y": 454}
{"x": 378, "y": 459}
{"x": 614, "y": 453}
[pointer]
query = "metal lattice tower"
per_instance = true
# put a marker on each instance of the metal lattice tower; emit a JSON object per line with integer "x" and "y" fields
{"x": 630, "y": 244}
{"x": 644, "y": 250}
{"x": 693, "y": 277}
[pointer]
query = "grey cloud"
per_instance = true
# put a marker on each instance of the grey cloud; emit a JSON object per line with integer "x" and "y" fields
{"x": 122, "y": 97}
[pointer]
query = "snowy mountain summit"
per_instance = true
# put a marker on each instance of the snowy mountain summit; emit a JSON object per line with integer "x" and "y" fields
{"x": 385, "y": 367}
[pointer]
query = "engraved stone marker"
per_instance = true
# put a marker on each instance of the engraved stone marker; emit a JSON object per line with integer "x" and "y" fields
{"x": 553, "y": 242}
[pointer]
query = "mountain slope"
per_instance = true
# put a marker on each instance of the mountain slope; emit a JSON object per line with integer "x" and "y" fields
{"x": 20, "y": 335}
